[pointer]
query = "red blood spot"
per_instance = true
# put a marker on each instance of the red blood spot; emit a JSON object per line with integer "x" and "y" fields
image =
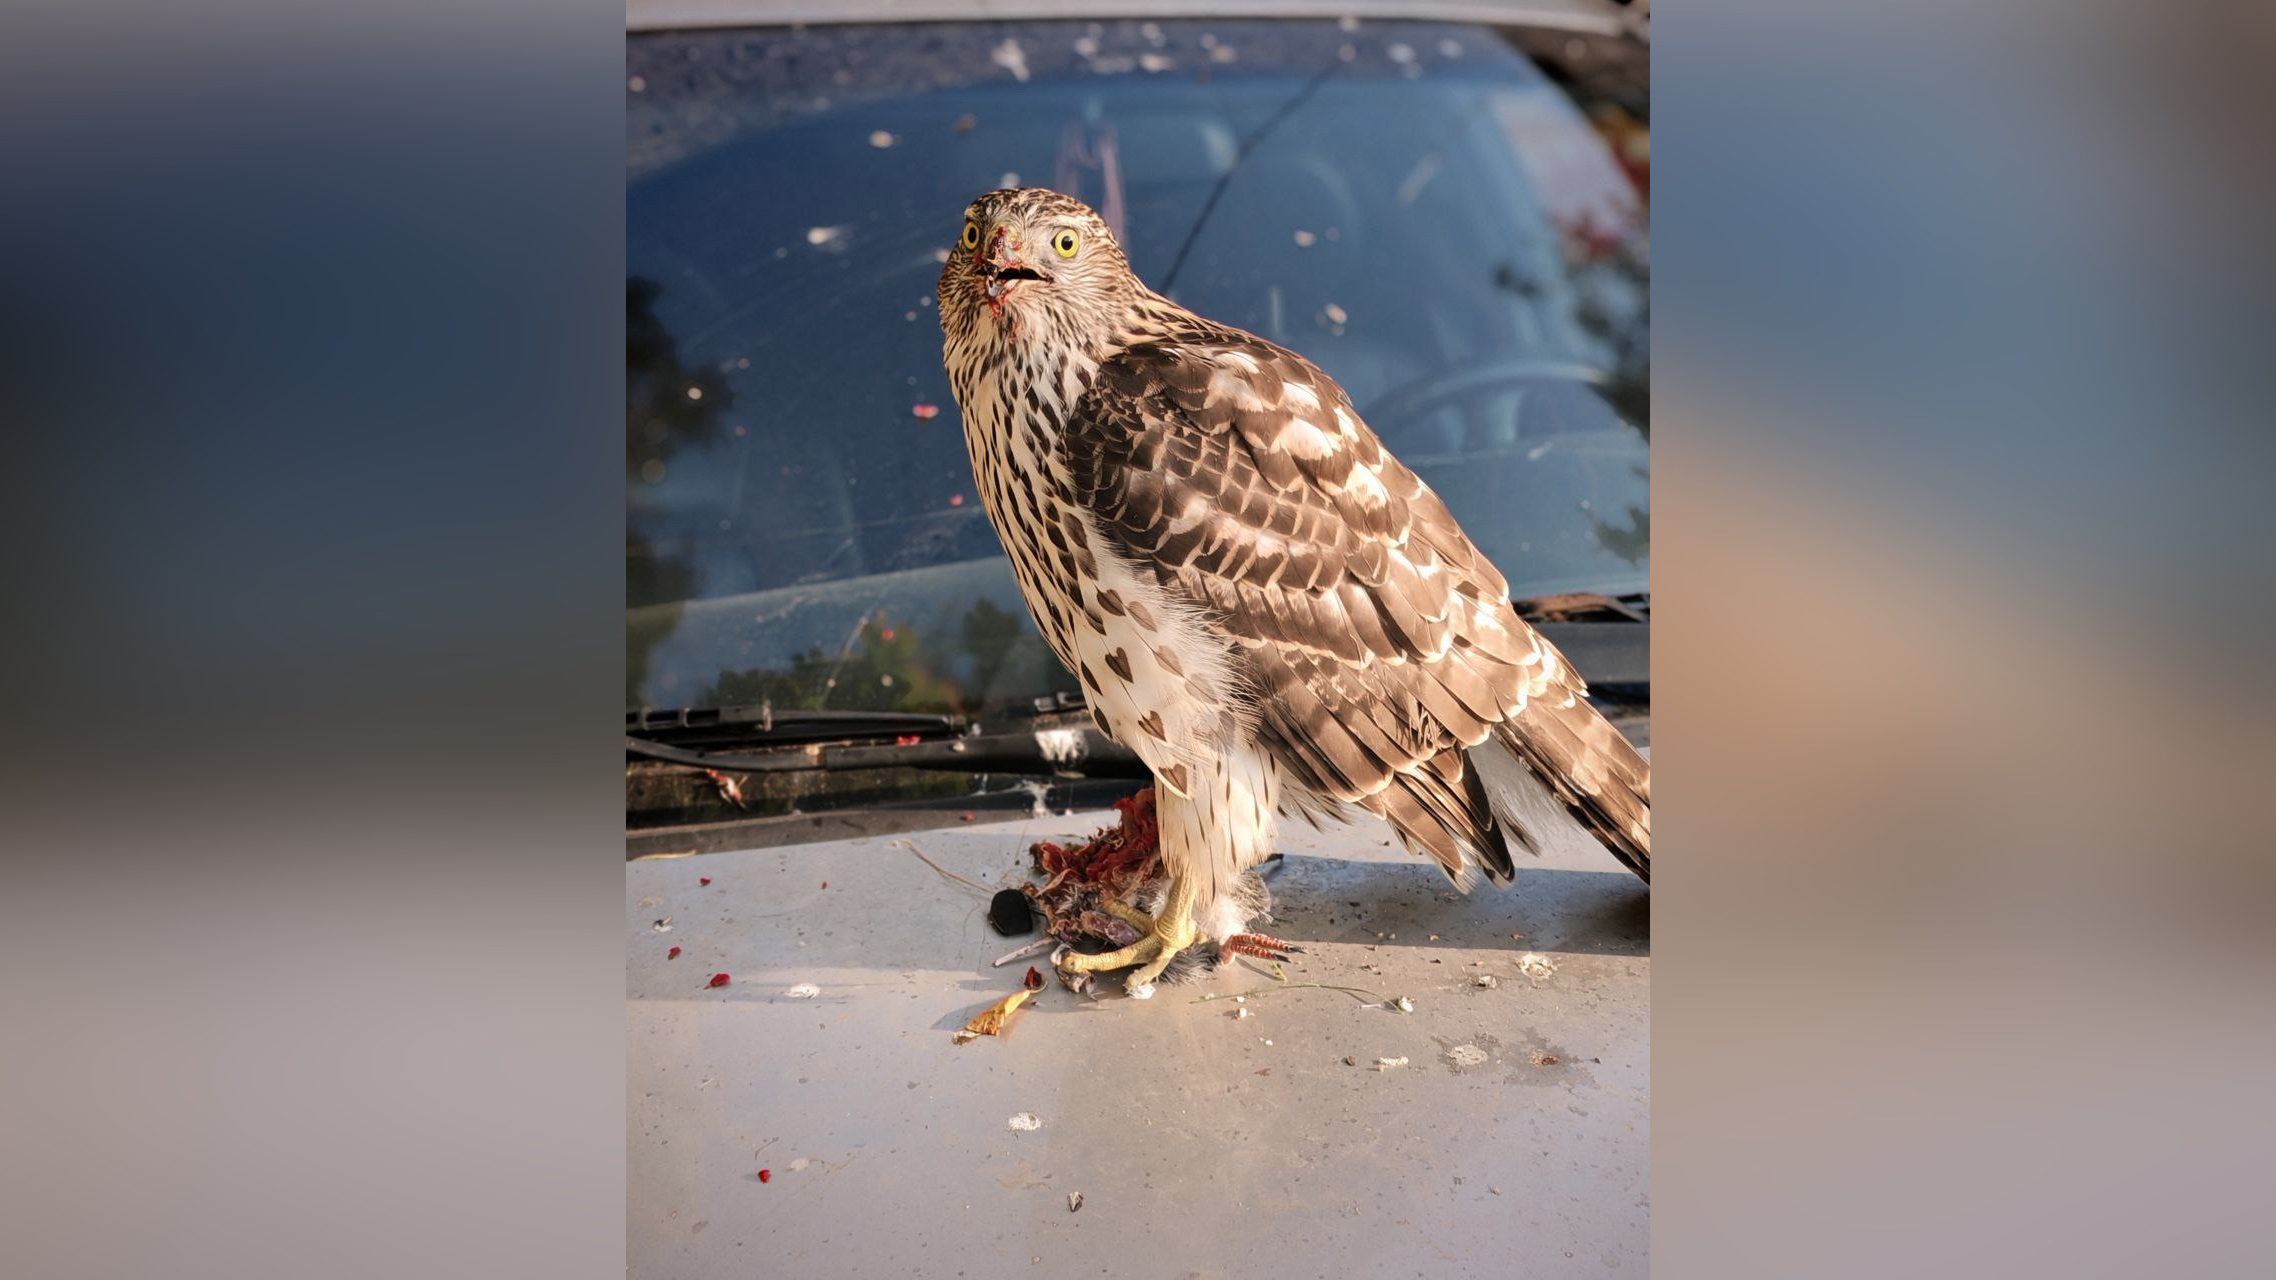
{"x": 703, "y": 879}
{"x": 672, "y": 954}
{"x": 1034, "y": 979}
{"x": 926, "y": 411}
{"x": 825, "y": 884}
{"x": 766, "y": 1175}
{"x": 718, "y": 980}
{"x": 956, "y": 500}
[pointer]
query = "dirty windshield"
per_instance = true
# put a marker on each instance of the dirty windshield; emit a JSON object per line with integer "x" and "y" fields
{"x": 1414, "y": 207}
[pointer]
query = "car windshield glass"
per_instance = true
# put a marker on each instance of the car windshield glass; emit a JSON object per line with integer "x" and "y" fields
{"x": 1414, "y": 207}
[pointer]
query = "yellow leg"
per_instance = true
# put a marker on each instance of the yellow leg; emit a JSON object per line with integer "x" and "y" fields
{"x": 1167, "y": 934}
{"x": 1127, "y": 914}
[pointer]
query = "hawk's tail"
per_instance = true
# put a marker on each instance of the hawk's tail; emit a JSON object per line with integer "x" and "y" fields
{"x": 1554, "y": 773}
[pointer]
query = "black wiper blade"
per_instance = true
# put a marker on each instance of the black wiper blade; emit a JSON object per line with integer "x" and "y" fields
{"x": 714, "y": 727}
{"x": 1075, "y": 752}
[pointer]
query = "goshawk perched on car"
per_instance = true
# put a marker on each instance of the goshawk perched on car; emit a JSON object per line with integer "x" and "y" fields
{"x": 1258, "y": 599}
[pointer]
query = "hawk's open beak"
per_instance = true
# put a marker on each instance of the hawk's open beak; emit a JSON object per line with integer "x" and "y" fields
{"x": 1001, "y": 267}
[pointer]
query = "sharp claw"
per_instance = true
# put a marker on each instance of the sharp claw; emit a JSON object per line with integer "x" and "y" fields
{"x": 1261, "y": 945}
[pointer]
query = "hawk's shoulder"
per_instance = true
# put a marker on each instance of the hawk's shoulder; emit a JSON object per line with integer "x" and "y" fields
{"x": 1241, "y": 467}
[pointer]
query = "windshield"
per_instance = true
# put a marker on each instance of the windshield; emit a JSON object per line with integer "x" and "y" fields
{"x": 1413, "y": 207}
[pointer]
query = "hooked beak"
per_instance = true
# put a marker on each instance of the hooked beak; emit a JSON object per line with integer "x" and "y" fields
{"x": 998, "y": 262}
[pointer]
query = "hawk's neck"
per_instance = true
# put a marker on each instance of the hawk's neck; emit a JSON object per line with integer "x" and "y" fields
{"x": 1040, "y": 382}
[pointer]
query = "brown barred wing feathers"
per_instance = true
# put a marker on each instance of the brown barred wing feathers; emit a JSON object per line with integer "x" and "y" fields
{"x": 1379, "y": 644}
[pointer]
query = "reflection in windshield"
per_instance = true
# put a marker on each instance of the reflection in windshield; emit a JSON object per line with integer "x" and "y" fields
{"x": 667, "y": 408}
{"x": 896, "y": 665}
{"x": 1411, "y": 206}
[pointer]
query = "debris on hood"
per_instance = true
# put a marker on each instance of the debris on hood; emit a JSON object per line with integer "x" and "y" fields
{"x": 990, "y": 1021}
{"x": 1010, "y": 914}
{"x": 1024, "y": 1122}
{"x": 718, "y": 980}
{"x": 672, "y": 954}
{"x": 1035, "y": 948}
{"x": 1535, "y": 965}
{"x": 803, "y": 991}
{"x": 662, "y": 926}
{"x": 1074, "y": 1201}
{"x": 911, "y": 846}
{"x": 1034, "y": 980}
{"x": 1485, "y": 980}
{"x": 1371, "y": 999}
{"x": 1385, "y": 1064}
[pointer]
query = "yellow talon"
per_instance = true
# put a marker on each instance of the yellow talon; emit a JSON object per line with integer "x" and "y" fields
{"x": 1166, "y": 935}
{"x": 1127, "y": 914}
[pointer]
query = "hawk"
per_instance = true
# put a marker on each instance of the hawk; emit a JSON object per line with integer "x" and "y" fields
{"x": 1259, "y": 600}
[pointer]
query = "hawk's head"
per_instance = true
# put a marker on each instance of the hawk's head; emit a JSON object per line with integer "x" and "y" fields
{"x": 1033, "y": 266}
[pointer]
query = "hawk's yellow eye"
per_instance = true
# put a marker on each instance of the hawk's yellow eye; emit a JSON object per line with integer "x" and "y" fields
{"x": 1065, "y": 244}
{"x": 971, "y": 235}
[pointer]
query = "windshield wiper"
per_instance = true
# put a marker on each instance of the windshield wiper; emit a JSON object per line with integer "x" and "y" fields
{"x": 764, "y": 723}
{"x": 834, "y": 741}
{"x": 1607, "y": 637}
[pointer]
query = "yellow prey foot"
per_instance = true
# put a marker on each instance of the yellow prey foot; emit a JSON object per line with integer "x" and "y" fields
{"x": 1165, "y": 935}
{"x": 1127, "y": 914}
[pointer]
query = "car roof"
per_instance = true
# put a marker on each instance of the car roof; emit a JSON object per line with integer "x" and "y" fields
{"x": 1590, "y": 16}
